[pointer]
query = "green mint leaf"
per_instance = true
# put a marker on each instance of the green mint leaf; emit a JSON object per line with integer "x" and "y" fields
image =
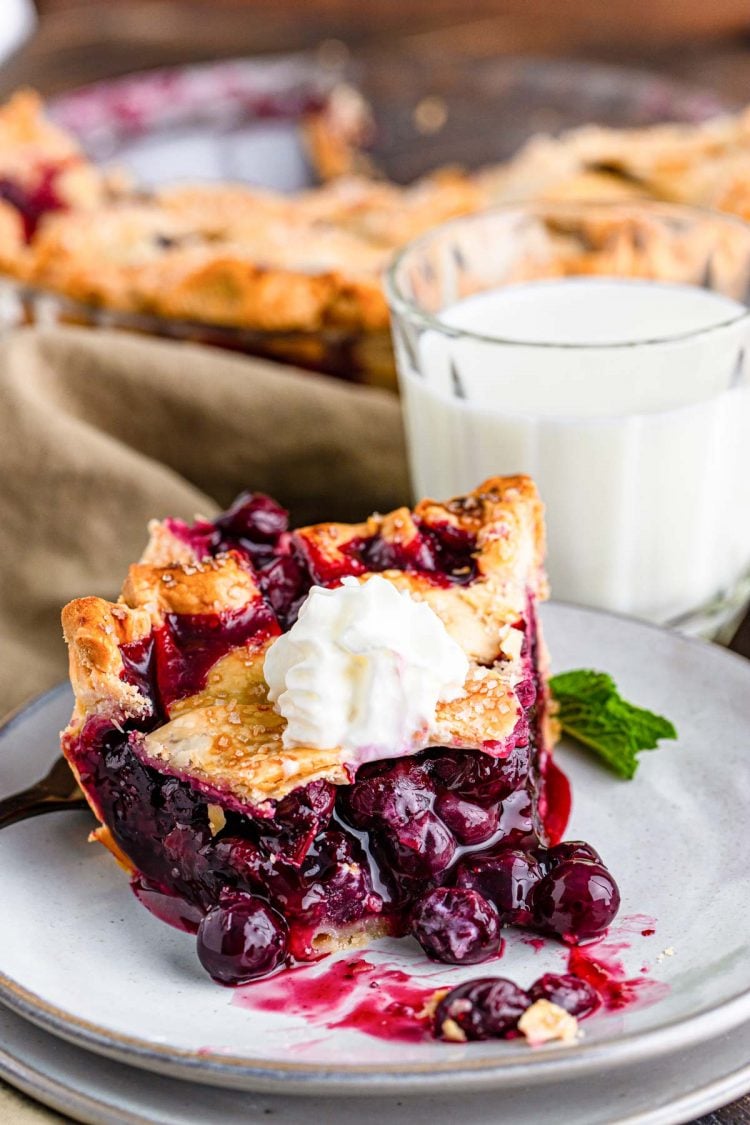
{"x": 591, "y": 710}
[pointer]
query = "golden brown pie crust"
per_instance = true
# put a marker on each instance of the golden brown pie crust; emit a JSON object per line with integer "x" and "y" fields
{"x": 227, "y": 737}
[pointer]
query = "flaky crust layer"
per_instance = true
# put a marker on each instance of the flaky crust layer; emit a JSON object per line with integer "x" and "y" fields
{"x": 227, "y": 738}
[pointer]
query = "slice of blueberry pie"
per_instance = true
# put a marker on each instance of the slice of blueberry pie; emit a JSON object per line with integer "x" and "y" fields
{"x": 298, "y": 740}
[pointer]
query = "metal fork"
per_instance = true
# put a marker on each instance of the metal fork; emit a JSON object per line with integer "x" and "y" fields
{"x": 57, "y": 790}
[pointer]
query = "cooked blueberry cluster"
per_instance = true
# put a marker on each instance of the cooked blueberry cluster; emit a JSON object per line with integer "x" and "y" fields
{"x": 490, "y": 1007}
{"x": 443, "y": 845}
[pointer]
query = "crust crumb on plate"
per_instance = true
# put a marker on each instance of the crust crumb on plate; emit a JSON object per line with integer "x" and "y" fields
{"x": 545, "y": 1021}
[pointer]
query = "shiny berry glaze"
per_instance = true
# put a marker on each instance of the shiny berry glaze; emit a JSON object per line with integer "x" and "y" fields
{"x": 378, "y": 1000}
{"x": 287, "y": 564}
{"x": 256, "y": 527}
{"x": 601, "y": 967}
{"x": 443, "y": 552}
{"x": 361, "y": 857}
{"x": 174, "y": 661}
{"x": 556, "y": 801}
{"x": 188, "y": 645}
{"x": 383, "y": 1001}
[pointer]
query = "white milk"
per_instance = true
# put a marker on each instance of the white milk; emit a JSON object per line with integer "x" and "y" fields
{"x": 641, "y": 453}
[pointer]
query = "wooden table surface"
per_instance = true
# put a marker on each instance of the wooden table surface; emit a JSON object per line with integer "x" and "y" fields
{"x": 707, "y": 44}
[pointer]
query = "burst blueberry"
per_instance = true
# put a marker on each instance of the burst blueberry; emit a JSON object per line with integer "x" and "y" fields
{"x": 456, "y": 925}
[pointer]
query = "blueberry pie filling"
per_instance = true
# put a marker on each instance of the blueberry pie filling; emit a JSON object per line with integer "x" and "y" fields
{"x": 33, "y": 201}
{"x": 273, "y": 848}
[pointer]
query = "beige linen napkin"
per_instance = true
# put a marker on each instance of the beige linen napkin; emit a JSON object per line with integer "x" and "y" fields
{"x": 100, "y": 431}
{"x": 17, "y": 1109}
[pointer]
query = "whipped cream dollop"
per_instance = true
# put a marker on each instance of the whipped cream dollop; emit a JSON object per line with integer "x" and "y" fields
{"x": 364, "y": 668}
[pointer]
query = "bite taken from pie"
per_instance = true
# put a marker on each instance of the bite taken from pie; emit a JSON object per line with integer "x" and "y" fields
{"x": 298, "y": 741}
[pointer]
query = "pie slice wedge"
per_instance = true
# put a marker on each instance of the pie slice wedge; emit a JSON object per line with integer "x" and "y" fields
{"x": 218, "y": 814}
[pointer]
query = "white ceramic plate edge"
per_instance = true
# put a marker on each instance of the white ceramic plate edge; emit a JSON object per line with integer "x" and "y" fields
{"x": 303, "y": 1079}
{"x": 72, "y": 1100}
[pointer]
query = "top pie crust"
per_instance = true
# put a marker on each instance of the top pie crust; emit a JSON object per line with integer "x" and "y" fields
{"x": 227, "y": 739}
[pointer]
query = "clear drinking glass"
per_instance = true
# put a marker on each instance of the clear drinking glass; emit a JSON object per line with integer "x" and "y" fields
{"x": 602, "y": 349}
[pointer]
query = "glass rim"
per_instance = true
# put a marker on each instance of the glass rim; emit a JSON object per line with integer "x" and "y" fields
{"x": 406, "y": 306}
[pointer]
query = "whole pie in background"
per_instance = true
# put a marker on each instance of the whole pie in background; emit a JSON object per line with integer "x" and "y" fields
{"x": 299, "y": 276}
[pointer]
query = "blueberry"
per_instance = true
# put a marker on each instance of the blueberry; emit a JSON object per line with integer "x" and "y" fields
{"x": 478, "y": 776}
{"x": 571, "y": 993}
{"x": 337, "y": 882}
{"x": 456, "y": 926}
{"x": 390, "y": 796}
{"x": 285, "y": 584}
{"x": 577, "y": 900}
{"x": 507, "y": 879}
{"x": 526, "y": 692}
{"x": 485, "y": 1008}
{"x": 241, "y": 938}
{"x": 383, "y": 554}
{"x": 570, "y": 849}
{"x": 244, "y": 858}
{"x": 469, "y": 822}
{"x": 297, "y": 820}
{"x": 423, "y": 847}
{"x": 253, "y": 516}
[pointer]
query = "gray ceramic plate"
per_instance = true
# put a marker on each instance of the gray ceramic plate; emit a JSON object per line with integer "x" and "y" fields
{"x": 83, "y": 960}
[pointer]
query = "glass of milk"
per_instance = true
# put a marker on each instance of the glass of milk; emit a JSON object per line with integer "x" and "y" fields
{"x": 602, "y": 349}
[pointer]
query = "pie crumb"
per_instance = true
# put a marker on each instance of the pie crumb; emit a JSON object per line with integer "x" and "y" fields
{"x": 545, "y": 1021}
{"x": 431, "y": 1004}
{"x": 450, "y": 1031}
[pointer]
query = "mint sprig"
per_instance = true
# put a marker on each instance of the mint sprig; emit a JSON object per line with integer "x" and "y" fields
{"x": 591, "y": 710}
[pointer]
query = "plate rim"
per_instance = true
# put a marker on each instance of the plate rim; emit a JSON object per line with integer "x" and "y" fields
{"x": 31, "y": 1079}
{"x": 545, "y": 1064}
